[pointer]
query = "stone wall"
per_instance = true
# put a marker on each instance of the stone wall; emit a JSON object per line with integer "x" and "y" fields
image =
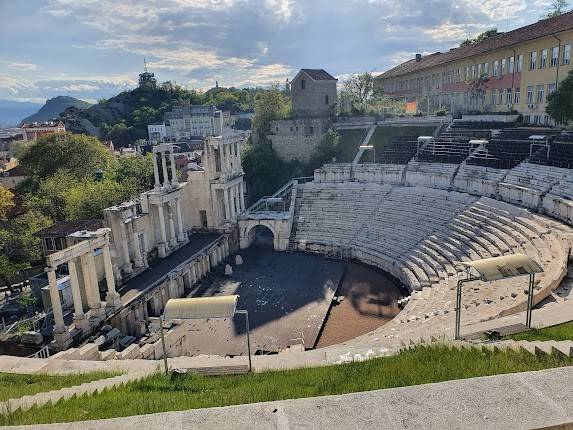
{"x": 297, "y": 138}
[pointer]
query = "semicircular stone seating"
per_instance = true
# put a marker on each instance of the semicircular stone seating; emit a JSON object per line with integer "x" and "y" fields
{"x": 421, "y": 236}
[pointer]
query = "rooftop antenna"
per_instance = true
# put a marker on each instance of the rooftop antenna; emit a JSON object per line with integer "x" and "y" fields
{"x": 144, "y": 65}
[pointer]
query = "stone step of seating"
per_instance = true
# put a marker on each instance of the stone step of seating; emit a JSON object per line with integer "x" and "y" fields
{"x": 487, "y": 238}
{"x": 508, "y": 240}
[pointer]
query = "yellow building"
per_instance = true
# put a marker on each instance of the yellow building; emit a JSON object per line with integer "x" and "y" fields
{"x": 510, "y": 71}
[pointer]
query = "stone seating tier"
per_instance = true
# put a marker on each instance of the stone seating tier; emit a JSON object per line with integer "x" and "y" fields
{"x": 421, "y": 235}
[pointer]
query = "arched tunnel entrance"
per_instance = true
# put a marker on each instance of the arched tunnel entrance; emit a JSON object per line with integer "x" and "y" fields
{"x": 263, "y": 237}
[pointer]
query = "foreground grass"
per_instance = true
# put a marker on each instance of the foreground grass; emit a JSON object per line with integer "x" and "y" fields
{"x": 558, "y": 332}
{"x": 160, "y": 393}
{"x": 14, "y": 385}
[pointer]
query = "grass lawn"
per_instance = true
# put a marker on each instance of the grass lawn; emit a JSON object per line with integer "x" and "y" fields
{"x": 159, "y": 393}
{"x": 14, "y": 385}
{"x": 558, "y": 332}
{"x": 349, "y": 141}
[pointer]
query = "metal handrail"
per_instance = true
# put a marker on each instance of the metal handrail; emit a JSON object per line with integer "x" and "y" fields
{"x": 289, "y": 184}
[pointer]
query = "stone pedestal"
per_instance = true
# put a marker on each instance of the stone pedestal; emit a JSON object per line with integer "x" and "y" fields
{"x": 63, "y": 340}
{"x": 113, "y": 300}
{"x": 81, "y": 322}
{"x": 162, "y": 250}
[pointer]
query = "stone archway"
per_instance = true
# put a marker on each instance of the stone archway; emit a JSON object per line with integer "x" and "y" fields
{"x": 248, "y": 231}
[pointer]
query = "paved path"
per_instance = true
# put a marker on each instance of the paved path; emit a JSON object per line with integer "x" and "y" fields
{"x": 515, "y": 401}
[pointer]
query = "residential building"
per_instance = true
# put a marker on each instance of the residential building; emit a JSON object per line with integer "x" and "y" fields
{"x": 511, "y": 71}
{"x": 35, "y": 130}
{"x": 187, "y": 122}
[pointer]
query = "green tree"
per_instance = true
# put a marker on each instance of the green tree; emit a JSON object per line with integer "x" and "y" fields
{"x": 358, "y": 90}
{"x": 560, "y": 103}
{"x": 265, "y": 172}
{"x": 79, "y": 155}
{"x": 558, "y": 7}
{"x": 480, "y": 38}
{"x": 134, "y": 173}
{"x": 6, "y": 202}
{"x": 325, "y": 152}
{"x": 20, "y": 249}
{"x": 269, "y": 106}
{"x": 51, "y": 196}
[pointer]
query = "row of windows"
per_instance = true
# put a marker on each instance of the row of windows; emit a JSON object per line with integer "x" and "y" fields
{"x": 541, "y": 59}
{"x": 499, "y": 68}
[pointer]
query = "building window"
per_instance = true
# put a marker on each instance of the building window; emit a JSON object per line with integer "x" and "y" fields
{"x": 547, "y": 120}
{"x": 519, "y": 63}
{"x": 517, "y": 96}
{"x": 496, "y": 69}
{"x": 508, "y": 96}
{"x": 503, "y": 63}
{"x": 486, "y": 69}
{"x": 302, "y": 84}
{"x": 311, "y": 130}
{"x": 540, "y": 93}
{"x": 530, "y": 95}
{"x": 326, "y": 99}
{"x": 493, "y": 99}
{"x": 554, "y": 56}
{"x": 511, "y": 64}
{"x": 543, "y": 62}
{"x": 550, "y": 88}
{"x": 527, "y": 119}
{"x": 276, "y": 128}
{"x": 60, "y": 243}
{"x": 532, "y": 60}
{"x": 567, "y": 54}
{"x": 500, "y": 96}
{"x": 49, "y": 244}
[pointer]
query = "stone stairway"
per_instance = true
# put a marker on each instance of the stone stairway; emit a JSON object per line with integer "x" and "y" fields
{"x": 291, "y": 247}
{"x": 533, "y": 347}
{"x": 26, "y": 402}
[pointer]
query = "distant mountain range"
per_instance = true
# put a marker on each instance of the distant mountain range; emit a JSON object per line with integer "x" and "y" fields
{"x": 11, "y": 112}
{"x": 54, "y": 107}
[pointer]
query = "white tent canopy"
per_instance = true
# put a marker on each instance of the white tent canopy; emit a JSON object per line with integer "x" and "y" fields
{"x": 201, "y": 307}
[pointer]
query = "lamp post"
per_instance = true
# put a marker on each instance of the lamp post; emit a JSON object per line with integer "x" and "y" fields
{"x": 202, "y": 308}
{"x": 496, "y": 268}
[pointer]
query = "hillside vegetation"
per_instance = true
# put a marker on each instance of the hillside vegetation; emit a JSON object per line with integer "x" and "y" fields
{"x": 124, "y": 117}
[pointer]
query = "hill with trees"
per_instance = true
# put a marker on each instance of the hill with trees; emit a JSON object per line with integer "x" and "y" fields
{"x": 54, "y": 107}
{"x": 124, "y": 117}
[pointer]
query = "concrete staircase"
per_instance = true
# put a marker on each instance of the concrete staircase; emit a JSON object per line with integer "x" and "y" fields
{"x": 26, "y": 402}
{"x": 534, "y": 347}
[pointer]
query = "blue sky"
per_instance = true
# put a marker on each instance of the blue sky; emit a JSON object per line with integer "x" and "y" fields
{"x": 91, "y": 49}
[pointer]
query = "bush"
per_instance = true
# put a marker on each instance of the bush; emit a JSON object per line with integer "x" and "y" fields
{"x": 441, "y": 113}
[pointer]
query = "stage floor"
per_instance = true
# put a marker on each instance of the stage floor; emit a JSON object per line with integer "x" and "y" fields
{"x": 287, "y": 295}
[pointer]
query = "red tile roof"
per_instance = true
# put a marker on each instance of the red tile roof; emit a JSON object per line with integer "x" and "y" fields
{"x": 543, "y": 28}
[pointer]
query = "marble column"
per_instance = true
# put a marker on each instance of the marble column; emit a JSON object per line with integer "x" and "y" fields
{"x": 242, "y": 196}
{"x": 112, "y": 298}
{"x": 59, "y": 326}
{"x": 232, "y": 203}
{"x": 164, "y": 168}
{"x": 136, "y": 246}
{"x": 237, "y": 199}
{"x": 162, "y": 246}
{"x": 127, "y": 268}
{"x": 80, "y": 320}
{"x": 227, "y": 211}
{"x": 174, "y": 180}
{"x": 172, "y": 237}
{"x": 87, "y": 278}
{"x": 156, "y": 171}
{"x": 95, "y": 304}
{"x": 181, "y": 236}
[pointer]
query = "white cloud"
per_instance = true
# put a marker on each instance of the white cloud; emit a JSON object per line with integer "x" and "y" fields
{"x": 22, "y": 66}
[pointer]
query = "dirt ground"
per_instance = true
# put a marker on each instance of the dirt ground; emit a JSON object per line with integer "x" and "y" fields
{"x": 370, "y": 300}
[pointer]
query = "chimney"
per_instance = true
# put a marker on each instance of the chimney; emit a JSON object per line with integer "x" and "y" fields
{"x": 418, "y": 58}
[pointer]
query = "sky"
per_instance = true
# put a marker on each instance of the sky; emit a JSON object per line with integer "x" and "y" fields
{"x": 93, "y": 49}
